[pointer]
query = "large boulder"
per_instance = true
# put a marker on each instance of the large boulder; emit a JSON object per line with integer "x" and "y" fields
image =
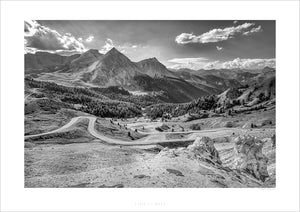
{"x": 249, "y": 157}
{"x": 203, "y": 147}
{"x": 269, "y": 150}
{"x": 273, "y": 141}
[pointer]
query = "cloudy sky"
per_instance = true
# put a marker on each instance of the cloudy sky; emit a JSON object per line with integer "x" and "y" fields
{"x": 248, "y": 44}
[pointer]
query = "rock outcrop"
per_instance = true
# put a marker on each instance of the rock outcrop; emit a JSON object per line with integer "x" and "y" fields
{"x": 203, "y": 147}
{"x": 249, "y": 157}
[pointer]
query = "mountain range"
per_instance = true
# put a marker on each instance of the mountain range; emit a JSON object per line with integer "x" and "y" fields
{"x": 93, "y": 69}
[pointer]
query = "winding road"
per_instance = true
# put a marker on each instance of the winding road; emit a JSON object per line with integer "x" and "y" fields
{"x": 152, "y": 138}
{"x": 25, "y": 99}
{"x": 28, "y": 95}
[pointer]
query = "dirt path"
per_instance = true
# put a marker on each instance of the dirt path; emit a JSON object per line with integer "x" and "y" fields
{"x": 25, "y": 98}
{"x": 152, "y": 138}
{"x": 33, "y": 92}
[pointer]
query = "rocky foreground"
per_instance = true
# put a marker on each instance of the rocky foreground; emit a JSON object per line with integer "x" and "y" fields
{"x": 243, "y": 162}
{"x": 249, "y": 161}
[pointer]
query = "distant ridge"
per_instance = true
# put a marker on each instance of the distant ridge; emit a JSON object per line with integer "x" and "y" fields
{"x": 93, "y": 69}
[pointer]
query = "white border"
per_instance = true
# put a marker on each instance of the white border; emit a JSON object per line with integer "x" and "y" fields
{"x": 14, "y": 197}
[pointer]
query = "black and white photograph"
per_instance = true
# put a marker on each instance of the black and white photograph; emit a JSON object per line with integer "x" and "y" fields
{"x": 167, "y": 104}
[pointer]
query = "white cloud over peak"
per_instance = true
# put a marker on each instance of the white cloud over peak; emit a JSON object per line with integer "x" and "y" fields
{"x": 124, "y": 48}
{"x": 249, "y": 63}
{"x": 211, "y": 65}
{"x": 204, "y": 63}
{"x": 109, "y": 44}
{"x": 42, "y": 38}
{"x": 217, "y": 35}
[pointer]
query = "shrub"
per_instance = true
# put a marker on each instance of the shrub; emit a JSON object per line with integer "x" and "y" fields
{"x": 162, "y": 128}
{"x": 158, "y": 129}
{"x": 229, "y": 124}
{"x": 266, "y": 122}
{"x": 195, "y": 126}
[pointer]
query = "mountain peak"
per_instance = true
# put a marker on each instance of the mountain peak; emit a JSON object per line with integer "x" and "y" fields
{"x": 92, "y": 52}
{"x": 86, "y": 58}
{"x": 150, "y": 60}
{"x": 154, "y": 59}
{"x": 154, "y": 68}
{"x": 115, "y": 55}
{"x": 113, "y": 51}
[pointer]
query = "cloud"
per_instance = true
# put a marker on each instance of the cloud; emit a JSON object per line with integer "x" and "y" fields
{"x": 30, "y": 50}
{"x": 249, "y": 63}
{"x": 124, "y": 48}
{"x": 204, "y": 63}
{"x": 253, "y": 30}
{"x": 217, "y": 35}
{"x": 219, "y": 48}
{"x": 235, "y": 22}
{"x": 109, "y": 44}
{"x": 42, "y": 38}
{"x": 188, "y": 60}
{"x": 90, "y": 39}
{"x": 191, "y": 63}
{"x": 30, "y": 28}
{"x": 211, "y": 65}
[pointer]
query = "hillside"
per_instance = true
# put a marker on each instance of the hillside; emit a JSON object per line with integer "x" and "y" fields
{"x": 53, "y": 96}
{"x": 46, "y": 62}
{"x": 260, "y": 95}
{"x": 92, "y": 69}
{"x": 212, "y": 81}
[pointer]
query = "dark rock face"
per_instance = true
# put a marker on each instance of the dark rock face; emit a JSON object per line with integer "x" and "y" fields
{"x": 249, "y": 157}
{"x": 274, "y": 141}
{"x": 203, "y": 147}
{"x": 269, "y": 150}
